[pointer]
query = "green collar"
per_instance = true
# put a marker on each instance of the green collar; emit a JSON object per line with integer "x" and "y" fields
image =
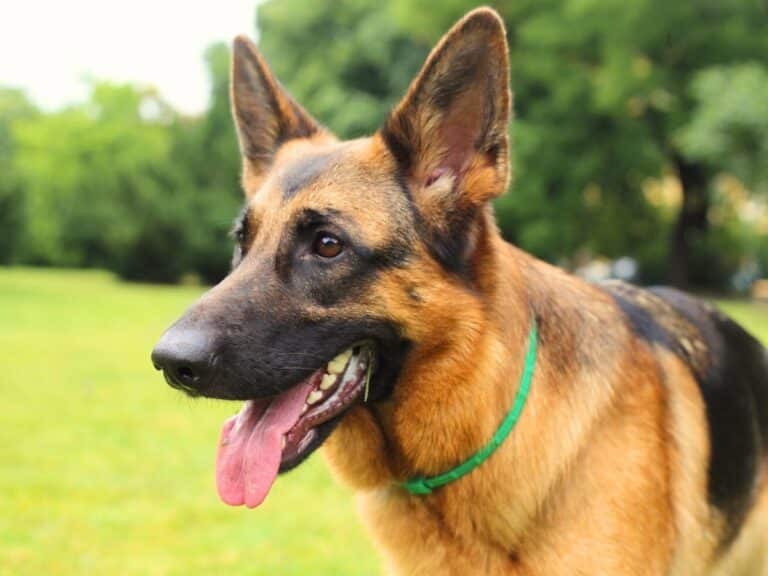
{"x": 421, "y": 485}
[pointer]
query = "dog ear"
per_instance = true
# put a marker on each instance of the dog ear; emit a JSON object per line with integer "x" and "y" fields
{"x": 265, "y": 114}
{"x": 449, "y": 133}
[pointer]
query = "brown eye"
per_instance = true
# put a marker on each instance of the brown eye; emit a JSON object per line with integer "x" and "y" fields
{"x": 327, "y": 245}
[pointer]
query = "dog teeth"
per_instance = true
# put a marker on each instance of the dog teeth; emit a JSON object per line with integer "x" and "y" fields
{"x": 336, "y": 366}
{"x": 282, "y": 443}
{"x": 328, "y": 381}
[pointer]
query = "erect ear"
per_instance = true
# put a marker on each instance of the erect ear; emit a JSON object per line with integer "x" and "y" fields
{"x": 449, "y": 133}
{"x": 265, "y": 115}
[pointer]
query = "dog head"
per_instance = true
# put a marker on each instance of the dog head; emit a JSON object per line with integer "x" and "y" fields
{"x": 350, "y": 257}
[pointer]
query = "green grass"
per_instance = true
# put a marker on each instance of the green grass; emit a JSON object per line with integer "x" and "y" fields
{"x": 751, "y": 315}
{"x": 106, "y": 470}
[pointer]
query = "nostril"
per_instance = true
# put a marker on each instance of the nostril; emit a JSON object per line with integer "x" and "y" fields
{"x": 185, "y": 358}
{"x": 186, "y": 374}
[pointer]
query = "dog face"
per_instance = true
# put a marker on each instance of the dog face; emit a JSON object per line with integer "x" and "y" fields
{"x": 350, "y": 257}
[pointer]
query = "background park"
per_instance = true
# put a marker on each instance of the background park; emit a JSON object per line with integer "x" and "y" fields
{"x": 641, "y": 136}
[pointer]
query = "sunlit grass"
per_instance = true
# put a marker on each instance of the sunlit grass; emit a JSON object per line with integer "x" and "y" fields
{"x": 105, "y": 470}
{"x": 751, "y": 315}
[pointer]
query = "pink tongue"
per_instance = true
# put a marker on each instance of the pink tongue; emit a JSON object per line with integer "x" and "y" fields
{"x": 250, "y": 449}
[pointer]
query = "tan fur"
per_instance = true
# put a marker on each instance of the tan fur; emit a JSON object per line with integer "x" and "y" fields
{"x": 748, "y": 556}
{"x": 516, "y": 510}
{"x": 688, "y": 444}
{"x": 605, "y": 473}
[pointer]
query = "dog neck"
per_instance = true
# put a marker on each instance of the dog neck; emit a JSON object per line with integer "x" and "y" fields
{"x": 457, "y": 386}
{"x": 458, "y": 382}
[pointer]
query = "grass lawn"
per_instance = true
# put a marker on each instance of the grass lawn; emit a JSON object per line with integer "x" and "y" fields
{"x": 753, "y": 316}
{"x": 106, "y": 470}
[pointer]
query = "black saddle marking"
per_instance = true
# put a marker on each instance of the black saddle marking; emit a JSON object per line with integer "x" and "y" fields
{"x": 731, "y": 368}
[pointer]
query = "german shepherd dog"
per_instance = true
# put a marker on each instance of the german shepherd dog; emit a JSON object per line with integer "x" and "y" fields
{"x": 374, "y": 309}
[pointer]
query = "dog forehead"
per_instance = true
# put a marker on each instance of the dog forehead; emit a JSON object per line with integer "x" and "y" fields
{"x": 349, "y": 178}
{"x": 302, "y": 171}
{"x": 309, "y": 167}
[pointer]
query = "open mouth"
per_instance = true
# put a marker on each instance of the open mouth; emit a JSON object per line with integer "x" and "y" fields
{"x": 270, "y": 434}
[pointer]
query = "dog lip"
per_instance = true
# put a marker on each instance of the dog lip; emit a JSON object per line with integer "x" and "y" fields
{"x": 300, "y": 440}
{"x": 266, "y": 434}
{"x": 321, "y": 432}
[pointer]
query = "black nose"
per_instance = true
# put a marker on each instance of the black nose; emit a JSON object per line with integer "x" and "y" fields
{"x": 186, "y": 358}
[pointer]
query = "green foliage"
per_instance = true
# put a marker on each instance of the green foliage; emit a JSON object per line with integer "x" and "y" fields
{"x": 124, "y": 183}
{"x": 729, "y": 127}
{"x": 609, "y": 95}
{"x": 94, "y": 178}
{"x": 205, "y": 152}
{"x": 13, "y": 107}
{"x": 346, "y": 61}
{"x": 602, "y": 90}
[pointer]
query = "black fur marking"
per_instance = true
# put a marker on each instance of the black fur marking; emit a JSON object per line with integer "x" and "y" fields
{"x": 350, "y": 279}
{"x": 392, "y": 255}
{"x": 466, "y": 65}
{"x": 734, "y": 387}
{"x": 264, "y": 343}
{"x": 398, "y": 136}
{"x": 303, "y": 172}
{"x": 735, "y": 391}
{"x": 240, "y": 233}
{"x": 299, "y": 125}
{"x": 401, "y": 179}
{"x": 448, "y": 246}
{"x": 331, "y": 281}
{"x": 645, "y": 325}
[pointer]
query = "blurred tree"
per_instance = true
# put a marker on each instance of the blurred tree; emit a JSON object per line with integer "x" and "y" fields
{"x": 205, "y": 149}
{"x": 98, "y": 181}
{"x": 610, "y": 97}
{"x": 124, "y": 183}
{"x": 14, "y": 106}
{"x": 603, "y": 87}
{"x": 346, "y": 61}
{"x": 728, "y": 133}
{"x": 728, "y": 129}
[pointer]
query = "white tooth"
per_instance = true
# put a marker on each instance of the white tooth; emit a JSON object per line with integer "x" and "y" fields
{"x": 336, "y": 366}
{"x": 282, "y": 443}
{"x": 328, "y": 381}
{"x": 314, "y": 397}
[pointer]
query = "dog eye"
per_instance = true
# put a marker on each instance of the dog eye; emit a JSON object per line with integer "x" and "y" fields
{"x": 326, "y": 245}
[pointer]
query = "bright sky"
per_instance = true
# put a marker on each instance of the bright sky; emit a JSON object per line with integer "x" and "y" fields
{"x": 47, "y": 47}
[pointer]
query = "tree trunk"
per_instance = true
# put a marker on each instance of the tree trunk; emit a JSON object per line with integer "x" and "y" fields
{"x": 691, "y": 220}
